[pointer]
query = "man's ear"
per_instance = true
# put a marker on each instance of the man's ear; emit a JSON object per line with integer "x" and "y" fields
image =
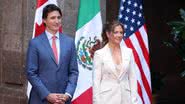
{"x": 44, "y": 21}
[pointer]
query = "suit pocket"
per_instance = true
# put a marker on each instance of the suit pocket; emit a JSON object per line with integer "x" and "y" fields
{"x": 126, "y": 86}
{"x": 106, "y": 93}
{"x": 105, "y": 89}
{"x": 128, "y": 89}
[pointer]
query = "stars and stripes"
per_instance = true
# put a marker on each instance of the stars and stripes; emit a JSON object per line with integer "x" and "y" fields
{"x": 131, "y": 15}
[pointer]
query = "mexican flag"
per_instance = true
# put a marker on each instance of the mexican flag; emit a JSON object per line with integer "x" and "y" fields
{"x": 88, "y": 36}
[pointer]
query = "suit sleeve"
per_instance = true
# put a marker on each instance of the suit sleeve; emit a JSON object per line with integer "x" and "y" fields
{"x": 97, "y": 76}
{"x": 73, "y": 72}
{"x": 32, "y": 72}
{"x": 133, "y": 79}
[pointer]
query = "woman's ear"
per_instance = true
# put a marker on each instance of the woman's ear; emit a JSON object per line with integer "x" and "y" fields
{"x": 108, "y": 34}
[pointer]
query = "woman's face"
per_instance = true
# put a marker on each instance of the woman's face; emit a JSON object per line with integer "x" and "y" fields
{"x": 116, "y": 36}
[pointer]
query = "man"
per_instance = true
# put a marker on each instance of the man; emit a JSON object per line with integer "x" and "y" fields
{"x": 51, "y": 62}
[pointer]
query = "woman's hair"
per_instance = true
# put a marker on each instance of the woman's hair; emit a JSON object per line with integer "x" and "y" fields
{"x": 109, "y": 27}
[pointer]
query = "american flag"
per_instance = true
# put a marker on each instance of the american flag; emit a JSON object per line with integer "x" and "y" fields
{"x": 135, "y": 37}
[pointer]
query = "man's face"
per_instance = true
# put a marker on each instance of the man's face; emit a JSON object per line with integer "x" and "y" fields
{"x": 53, "y": 22}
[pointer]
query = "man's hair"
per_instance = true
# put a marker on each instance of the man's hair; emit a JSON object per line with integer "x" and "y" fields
{"x": 50, "y": 8}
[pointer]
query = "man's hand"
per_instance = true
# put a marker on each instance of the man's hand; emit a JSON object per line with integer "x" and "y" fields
{"x": 54, "y": 98}
{"x": 64, "y": 97}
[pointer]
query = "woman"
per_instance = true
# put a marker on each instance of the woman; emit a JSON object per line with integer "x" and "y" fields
{"x": 114, "y": 80}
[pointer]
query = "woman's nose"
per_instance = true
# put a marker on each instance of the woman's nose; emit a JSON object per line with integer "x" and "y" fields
{"x": 120, "y": 34}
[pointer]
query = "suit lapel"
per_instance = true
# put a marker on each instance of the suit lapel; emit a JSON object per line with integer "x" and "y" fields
{"x": 109, "y": 56}
{"x": 125, "y": 60}
{"x": 45, "y": 42}
{"x": 62, "y": 47}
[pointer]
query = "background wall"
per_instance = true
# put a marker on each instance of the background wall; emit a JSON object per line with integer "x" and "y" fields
{"x": 12, "y": 32}
{"x": 164, "y": 59}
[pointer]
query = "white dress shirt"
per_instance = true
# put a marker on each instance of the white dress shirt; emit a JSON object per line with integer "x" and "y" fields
{"x": 49, "y": 36}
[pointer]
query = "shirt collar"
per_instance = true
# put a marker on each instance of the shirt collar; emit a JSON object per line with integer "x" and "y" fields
{"x": 49, "y": 35}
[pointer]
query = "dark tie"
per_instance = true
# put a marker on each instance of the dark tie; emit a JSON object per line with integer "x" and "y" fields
{"x": 54, "y": 47}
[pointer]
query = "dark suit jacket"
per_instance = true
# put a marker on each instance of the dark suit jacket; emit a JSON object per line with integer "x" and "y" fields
{"x": 44, "y": 74}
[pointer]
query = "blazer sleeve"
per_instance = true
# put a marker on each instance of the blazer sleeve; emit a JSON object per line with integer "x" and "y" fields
{"x": 73, "y": 72}
{"x": 133, "y": 79}
{"x": 97, "y": 76}
{"x": 32, "y": 70}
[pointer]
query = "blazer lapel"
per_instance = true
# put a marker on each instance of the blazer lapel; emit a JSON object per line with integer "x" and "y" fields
{"x": 45, "y": 41}
{"x": 62, "y": 48}
{"x": 125, "y": 62}
{"x": 109, "y": 57}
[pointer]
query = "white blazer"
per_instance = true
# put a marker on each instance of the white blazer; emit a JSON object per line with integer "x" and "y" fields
{"x": 109, "y": 87}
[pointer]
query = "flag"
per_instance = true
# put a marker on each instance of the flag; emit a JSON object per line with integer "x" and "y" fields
{"x": 39, "y": 27}
{"x": 135, "y": 37}
{"x": 88, "y": 34}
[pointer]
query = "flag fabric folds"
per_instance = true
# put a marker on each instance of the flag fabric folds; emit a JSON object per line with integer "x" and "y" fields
{"x": 38, "y": 26}
{"x": 89, "y": 27}
{"x": 135, "y": 37}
